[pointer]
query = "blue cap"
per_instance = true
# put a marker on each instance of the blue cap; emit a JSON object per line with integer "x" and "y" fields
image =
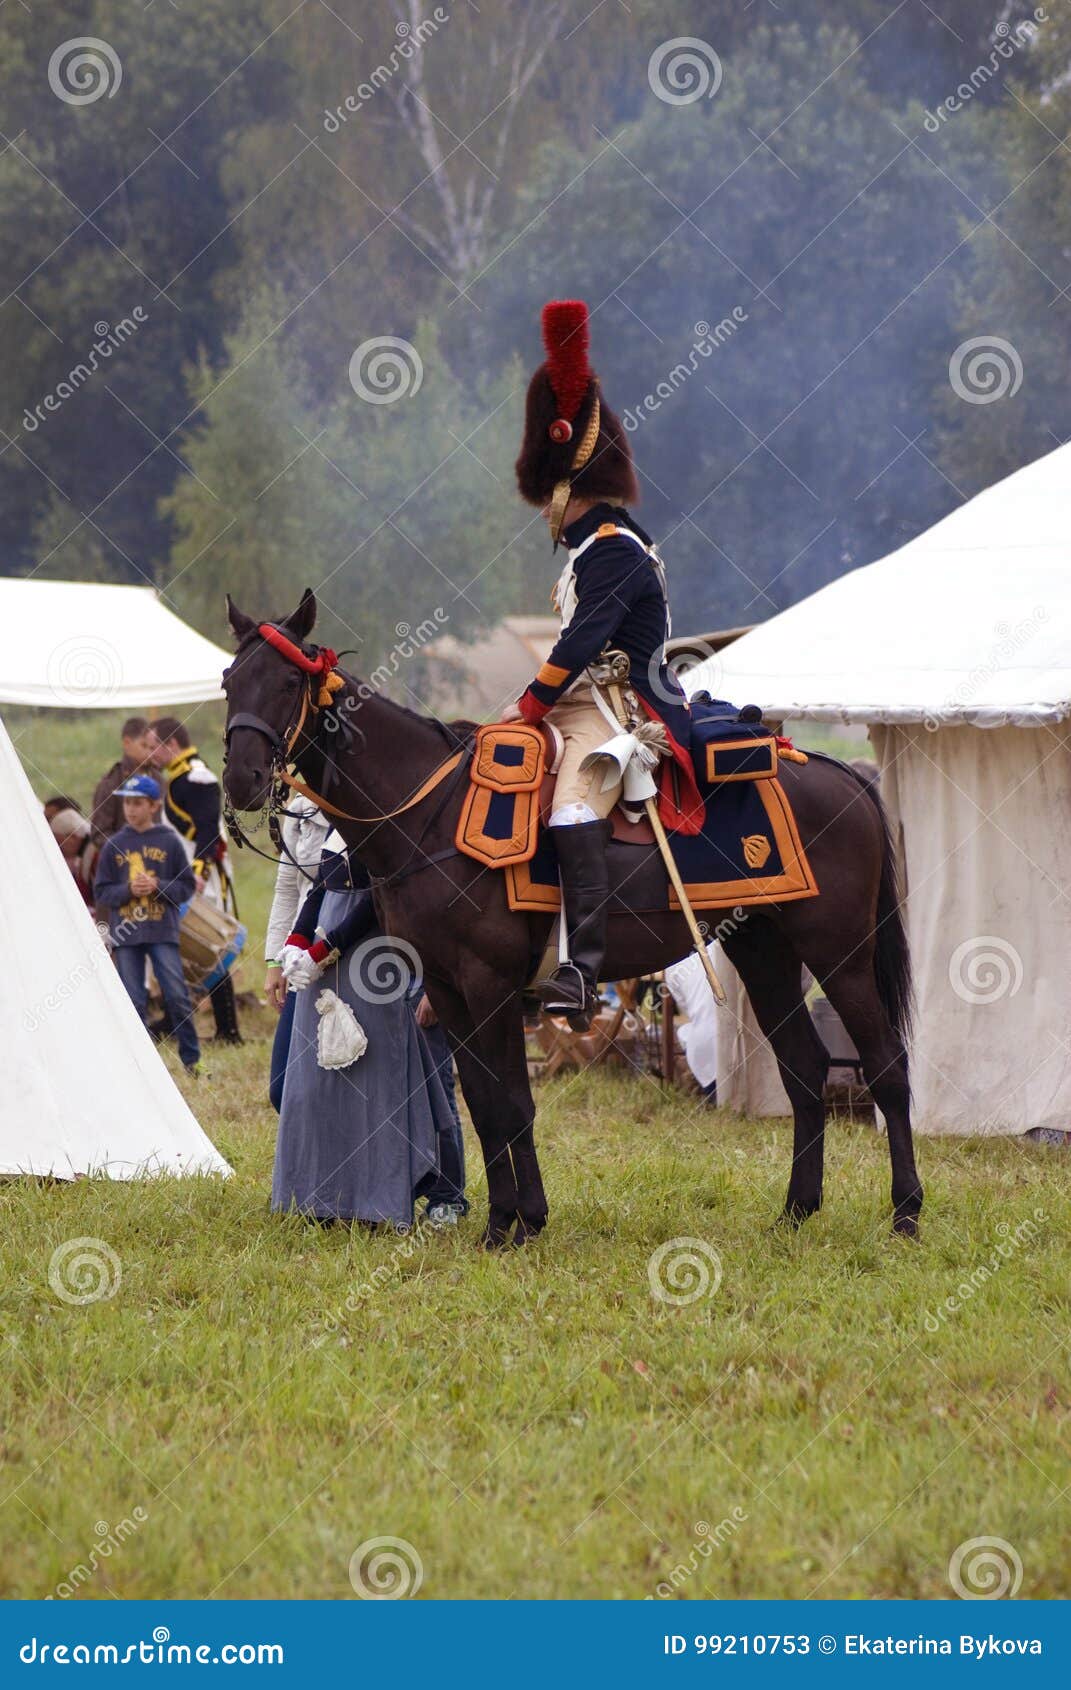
{"x": 139, "y": 786}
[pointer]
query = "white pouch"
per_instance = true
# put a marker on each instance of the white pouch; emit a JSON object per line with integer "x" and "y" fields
{"x": 340, "y": 1038}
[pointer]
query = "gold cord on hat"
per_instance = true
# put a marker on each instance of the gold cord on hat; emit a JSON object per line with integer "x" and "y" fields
{"x": 559, "y": 499}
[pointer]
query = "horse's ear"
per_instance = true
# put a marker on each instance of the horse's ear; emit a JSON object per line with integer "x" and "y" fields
{"x": 241, "y": 624}
{"x": 303, "y": 619}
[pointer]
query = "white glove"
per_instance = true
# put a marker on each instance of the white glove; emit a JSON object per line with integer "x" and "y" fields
{"x": 299, "y": 968}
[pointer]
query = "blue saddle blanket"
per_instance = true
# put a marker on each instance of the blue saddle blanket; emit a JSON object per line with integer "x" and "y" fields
{"x": 748, "y": 851}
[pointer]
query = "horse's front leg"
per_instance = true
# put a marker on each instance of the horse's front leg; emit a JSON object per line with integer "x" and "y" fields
{"x": 487, "y": 1035}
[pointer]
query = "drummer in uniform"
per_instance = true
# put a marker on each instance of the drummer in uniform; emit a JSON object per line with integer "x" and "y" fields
{"x": 575, "y": 464}
{"x": 192, "y": 805}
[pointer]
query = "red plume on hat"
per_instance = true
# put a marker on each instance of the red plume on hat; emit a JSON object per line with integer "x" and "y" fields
{"x": 565, "y": 336}
{"x": 560, "y": 415}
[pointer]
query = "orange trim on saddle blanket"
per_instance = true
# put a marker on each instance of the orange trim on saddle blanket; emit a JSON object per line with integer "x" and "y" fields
{"x": 717, "y": 748}
{"x": 496, "y": 763}
{"x": 509, "y": 788}
{"x": 793, "y": 882}
{"x": 524, "y": 893}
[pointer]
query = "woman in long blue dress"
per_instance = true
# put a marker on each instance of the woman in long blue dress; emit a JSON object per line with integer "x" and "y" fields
{"x": 361, "y": 1142}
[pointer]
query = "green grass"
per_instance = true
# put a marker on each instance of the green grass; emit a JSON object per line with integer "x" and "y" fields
{"x": 536, "y": 1424}
{"x": 540, "y": 1424}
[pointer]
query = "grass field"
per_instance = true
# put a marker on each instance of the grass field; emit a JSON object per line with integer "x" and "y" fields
{"x": 260, "y": 1397}
{"x": 257, "y": 1397}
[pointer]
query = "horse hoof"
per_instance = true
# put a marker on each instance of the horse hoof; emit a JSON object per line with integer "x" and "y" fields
{"x": 905, "y": 1226}
{"x": 496, "y": 1234}
{"x": 794, "y": 1214}
{"x": 527, "y": 1229}
{"x": 492, "y": 1238}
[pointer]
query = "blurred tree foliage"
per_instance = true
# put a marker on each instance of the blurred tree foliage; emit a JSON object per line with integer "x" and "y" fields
{"x": 275, "y": 184}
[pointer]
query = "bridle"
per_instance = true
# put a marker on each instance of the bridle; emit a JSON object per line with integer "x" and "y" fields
{"x": 325, "y": 715}
{"x": 323, "y": 665}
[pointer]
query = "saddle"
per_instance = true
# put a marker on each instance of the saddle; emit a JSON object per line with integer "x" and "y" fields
{"x": 512, "y": 778}
{"x": 748, "y": 850}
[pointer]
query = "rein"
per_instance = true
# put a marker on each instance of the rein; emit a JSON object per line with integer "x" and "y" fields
{"x": 323, "y": 666}
{"x": 436, "y": 777}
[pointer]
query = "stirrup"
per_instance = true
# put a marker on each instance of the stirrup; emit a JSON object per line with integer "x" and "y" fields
{"x": 568, "y": 993}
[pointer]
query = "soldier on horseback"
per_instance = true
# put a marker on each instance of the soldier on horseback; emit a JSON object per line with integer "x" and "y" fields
{"x": 575, "y": 463}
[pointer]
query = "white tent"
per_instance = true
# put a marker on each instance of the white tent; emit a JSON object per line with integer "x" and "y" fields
{"x": 85, "y": 1091}
{"x": 88, "y": 645}
{"x": 956, "y": 652}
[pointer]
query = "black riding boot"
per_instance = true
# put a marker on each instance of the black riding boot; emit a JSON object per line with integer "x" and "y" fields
{"x": 225, "y": 1012}
{"x": 572, "y": 989}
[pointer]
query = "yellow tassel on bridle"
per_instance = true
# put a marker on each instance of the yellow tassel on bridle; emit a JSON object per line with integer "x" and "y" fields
{"x": 332, "y": 683}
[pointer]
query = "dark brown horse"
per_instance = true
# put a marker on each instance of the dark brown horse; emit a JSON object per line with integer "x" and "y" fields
{"x": 477, "y": 954}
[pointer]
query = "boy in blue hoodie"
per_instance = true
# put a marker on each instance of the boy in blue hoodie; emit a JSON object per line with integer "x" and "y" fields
{"x": 143, "y": 879}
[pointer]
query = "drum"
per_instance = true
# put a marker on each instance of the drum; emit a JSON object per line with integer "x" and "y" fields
{"x": 210, "y": 943}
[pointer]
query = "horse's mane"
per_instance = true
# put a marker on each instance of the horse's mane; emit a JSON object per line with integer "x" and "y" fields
{"x": 455, "y": 732}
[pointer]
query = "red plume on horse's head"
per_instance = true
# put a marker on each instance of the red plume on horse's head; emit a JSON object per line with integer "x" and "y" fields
{"x": 562, "y": 398}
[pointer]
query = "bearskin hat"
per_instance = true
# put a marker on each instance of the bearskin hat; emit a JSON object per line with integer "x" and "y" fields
{"x": 559, "y": 414}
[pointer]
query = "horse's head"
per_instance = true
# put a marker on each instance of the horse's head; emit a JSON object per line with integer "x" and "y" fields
{"x": 265, "y": 691}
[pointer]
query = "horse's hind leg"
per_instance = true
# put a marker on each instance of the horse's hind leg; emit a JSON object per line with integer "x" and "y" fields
{"x": 772, "y": 975}
{"x": 499, "y": 1017}
{"x": 853, "y": 992}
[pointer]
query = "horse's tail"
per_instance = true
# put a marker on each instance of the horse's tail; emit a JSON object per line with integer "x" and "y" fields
{"x": 892, "y": 955}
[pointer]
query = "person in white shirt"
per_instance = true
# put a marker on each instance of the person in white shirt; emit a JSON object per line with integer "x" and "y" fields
{"x": 304, "y": 832}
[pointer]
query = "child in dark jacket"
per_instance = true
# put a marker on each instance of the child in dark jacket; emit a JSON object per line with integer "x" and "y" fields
{"x": 143, "y": 879}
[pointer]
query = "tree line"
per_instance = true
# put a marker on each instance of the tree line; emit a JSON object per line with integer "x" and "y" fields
{"x": 272, "y": 273}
